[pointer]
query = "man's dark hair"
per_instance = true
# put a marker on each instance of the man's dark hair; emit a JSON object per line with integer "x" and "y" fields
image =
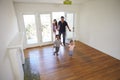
{"x": 62, "y": 16}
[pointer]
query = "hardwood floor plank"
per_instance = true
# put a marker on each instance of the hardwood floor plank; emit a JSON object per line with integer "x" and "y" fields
{"x": 87, "y": 64}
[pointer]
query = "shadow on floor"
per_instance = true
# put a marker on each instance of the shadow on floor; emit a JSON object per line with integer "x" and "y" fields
{"x": 28, "y": 74}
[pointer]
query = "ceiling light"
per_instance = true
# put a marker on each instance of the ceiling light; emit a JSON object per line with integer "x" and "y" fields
{"x": 67, "y": 2}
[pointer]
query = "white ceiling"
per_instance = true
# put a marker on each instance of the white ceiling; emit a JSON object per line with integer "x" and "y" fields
{"x": 51, "y": 1}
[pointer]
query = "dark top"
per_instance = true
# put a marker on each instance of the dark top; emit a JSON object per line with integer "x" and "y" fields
{"x": 62, "y": 26}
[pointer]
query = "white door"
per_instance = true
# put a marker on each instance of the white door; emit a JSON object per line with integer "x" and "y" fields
{"x": 57, "y": 16}
{"x": 69, "y": 17}
{"x": 70, "y": 20}
{"x": 45, "y": 26}
{"x": 30, "y": 29}
{"x": 37, "y": 30}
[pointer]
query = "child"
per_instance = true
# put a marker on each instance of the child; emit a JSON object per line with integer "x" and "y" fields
{"x": 71, "y": 47}
{"x": 57, "y": 45}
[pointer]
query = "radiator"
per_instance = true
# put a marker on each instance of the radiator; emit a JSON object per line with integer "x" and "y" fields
{"x": 16, "y": 55}
{"x": 16, "y": 62}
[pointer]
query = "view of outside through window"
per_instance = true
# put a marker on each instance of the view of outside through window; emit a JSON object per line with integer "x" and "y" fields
{"x": 57, "y": 16}
{"x": 45, "y": 32}
{"x": 46, "y": 27}
{"x": 69, "y": 19}
{"x": 30, "y": 28}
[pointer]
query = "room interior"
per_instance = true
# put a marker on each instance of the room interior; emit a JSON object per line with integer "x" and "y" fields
{"x": 95, "y": 28}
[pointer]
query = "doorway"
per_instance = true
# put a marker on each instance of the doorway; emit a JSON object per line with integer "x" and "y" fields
{"x": 69, "y": 17}
{"x": 38, "y": 28}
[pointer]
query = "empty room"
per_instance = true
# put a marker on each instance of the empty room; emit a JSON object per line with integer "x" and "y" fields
{"x": 60, "y": 40}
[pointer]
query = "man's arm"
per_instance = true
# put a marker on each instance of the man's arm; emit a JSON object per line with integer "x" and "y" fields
{"x": 68, "y": 26}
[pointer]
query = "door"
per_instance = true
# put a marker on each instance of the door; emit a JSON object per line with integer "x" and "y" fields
{"x": 69, "y": 17}
{"x": 37, "y": 30}
{"x": 30, "y": 29}
{"x": 45, "y": 26}
{"x": 70, "y": 20}
{"x": 57, "y": 16}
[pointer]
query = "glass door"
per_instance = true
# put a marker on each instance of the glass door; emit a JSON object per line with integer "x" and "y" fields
{"x": 70, "y": 20}
{"x": 30, "y": 29}
{"x": 69, "y": 17}
{"x": 38, "y": 27}
{"x": 45, "y": 25}
{"x": 57, "y": 16}
{"x": 37, "y": 30}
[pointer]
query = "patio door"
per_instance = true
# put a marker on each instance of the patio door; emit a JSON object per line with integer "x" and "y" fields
{"x": 69, "y": 17}
{"x": 37, "y": 29}
{"x": 30, "y": 29}
{"x": 46, "y": 31}
{"x": 70, "y": 20}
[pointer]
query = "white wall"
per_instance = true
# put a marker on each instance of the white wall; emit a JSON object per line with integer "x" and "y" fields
{"x": 100, "y": 25}
{"x": 8, "y": 29}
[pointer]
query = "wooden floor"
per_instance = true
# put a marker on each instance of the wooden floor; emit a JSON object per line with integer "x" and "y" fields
{"x": 86, "y": 64}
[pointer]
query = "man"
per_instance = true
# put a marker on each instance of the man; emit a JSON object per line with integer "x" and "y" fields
{"x": 62, "y": 28}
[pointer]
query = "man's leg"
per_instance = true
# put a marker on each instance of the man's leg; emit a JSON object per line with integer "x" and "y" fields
{"x": 60, "y": 34}
{"x": 64, "y": 35}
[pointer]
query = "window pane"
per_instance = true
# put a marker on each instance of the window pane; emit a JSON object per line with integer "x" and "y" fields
{"x": 57, "y": 15}
{"x": 69, "y": 19}
{"x": 30, "y": 29}
{"x": 46, "y": 27}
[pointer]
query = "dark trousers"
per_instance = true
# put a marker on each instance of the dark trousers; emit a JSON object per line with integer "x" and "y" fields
{"x": 57, "y": 49}
{"x": 64, "y": 35}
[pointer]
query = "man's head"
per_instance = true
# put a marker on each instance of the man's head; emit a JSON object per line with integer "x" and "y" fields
{"x": 62, "y": 18}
